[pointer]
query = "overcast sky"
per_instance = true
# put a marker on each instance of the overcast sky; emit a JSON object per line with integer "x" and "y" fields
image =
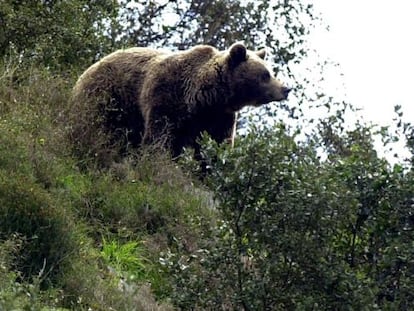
{"x": 372, "y": 40}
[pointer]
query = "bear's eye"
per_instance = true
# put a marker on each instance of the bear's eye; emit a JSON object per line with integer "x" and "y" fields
{"x": 265, "y": 76}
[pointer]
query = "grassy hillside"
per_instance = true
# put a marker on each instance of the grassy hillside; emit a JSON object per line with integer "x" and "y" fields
{"x": 87, "y": 239}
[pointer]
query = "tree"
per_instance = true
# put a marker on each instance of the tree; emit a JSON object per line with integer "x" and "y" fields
{"x": 56, "y": 34}
{"x": 72, "y": 32}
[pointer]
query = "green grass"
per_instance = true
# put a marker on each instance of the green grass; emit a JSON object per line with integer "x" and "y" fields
{"x": 128, "y": 257}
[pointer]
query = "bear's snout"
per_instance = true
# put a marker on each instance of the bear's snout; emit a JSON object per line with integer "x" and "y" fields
{"x": 285, "y": 91}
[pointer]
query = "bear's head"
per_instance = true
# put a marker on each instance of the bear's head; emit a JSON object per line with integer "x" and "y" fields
{"x": 250, "y": 81}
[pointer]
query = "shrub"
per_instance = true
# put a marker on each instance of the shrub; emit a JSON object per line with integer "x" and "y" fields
{"x": 299, "y": 233}
{"x": 47, "y": 228}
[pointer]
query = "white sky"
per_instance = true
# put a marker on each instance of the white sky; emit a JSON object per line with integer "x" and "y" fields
{"x": 373, "y": 42}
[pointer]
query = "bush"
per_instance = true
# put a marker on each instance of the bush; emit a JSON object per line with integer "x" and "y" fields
{"x": 47, "y": 228}
{"x": 299, "y": 233}
{"x": 18, "y": 295}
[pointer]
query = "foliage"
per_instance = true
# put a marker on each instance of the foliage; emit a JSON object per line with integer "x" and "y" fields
{"x": 46, "y": 32}
{"x": 27, "y": 209}
{"x": 182, "y": 24}
{"x": 15, "y": 295}
{"x": 300, "y": 233}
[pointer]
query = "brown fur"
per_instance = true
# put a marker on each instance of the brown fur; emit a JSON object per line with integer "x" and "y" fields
{"x": 140, "y": 94}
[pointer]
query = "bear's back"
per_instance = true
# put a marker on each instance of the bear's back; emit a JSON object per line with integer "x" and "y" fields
{"x": 121, "y": 72}
{"x": 174, "y": 79}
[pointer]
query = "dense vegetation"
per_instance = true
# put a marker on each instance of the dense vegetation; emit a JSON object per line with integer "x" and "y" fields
{"x": 294, "y": 217}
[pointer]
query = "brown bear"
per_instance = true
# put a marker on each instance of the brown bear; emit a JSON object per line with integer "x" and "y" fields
{"x": 145, "y": 95}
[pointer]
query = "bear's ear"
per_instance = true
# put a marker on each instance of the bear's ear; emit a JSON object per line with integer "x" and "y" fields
{"x": 238, "y": 54}
{"x": 261, "y": 53}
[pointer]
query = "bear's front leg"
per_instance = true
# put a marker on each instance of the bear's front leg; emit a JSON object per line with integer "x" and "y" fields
{"x": 232, "y": 133}
{"x": 223, "y": 128}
